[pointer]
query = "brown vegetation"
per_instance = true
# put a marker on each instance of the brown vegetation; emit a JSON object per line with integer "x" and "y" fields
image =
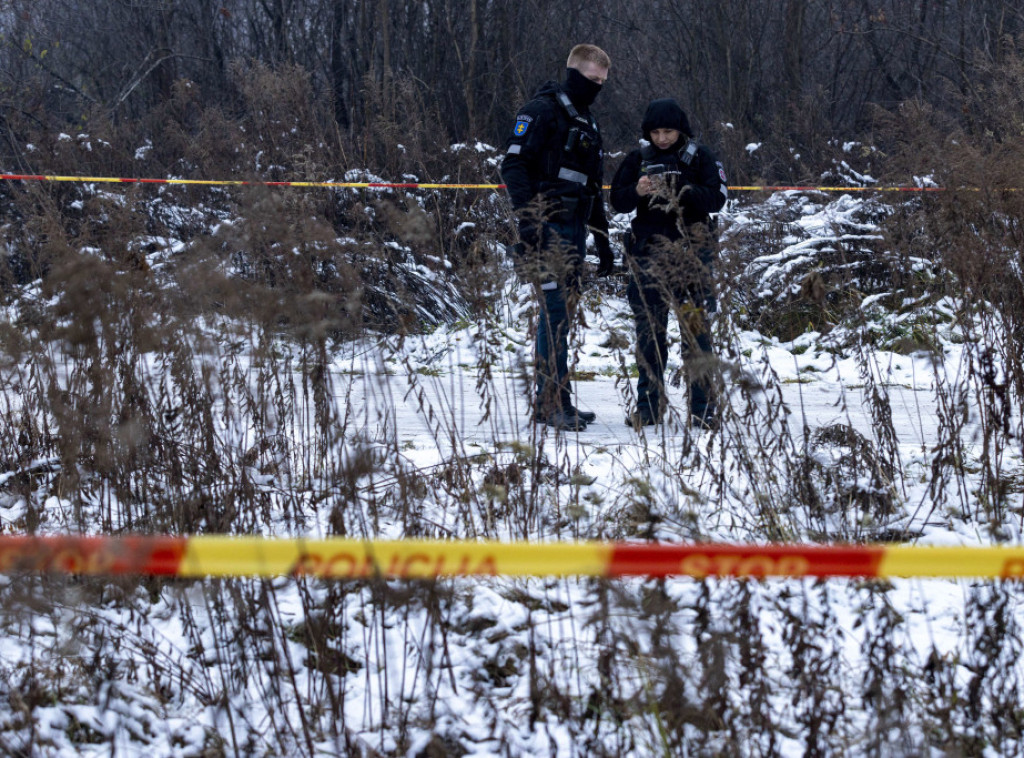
{"x": 167, "y": 367}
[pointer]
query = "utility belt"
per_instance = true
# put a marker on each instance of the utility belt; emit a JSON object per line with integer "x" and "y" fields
{"x": 694, "y": 280}
{"x": 636, "y": 244}
{"x": 644, "y": 245}
{"x": 568, "y": 196}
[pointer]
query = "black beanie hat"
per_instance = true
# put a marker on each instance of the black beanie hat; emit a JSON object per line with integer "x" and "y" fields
{"x": 665, "y": 113}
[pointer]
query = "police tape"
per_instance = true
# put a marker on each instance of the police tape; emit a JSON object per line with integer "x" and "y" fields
{"x": 241, "y": 182}
{"x": 343, "y": 558}
{"x": 417, "y": 185}
{"x": 820, "y": 188}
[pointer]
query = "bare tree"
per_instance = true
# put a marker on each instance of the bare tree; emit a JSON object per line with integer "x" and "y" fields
{"x": 802, "y": 69}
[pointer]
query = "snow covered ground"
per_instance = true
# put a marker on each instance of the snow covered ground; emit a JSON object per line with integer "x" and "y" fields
{"x": 823, "y": 439}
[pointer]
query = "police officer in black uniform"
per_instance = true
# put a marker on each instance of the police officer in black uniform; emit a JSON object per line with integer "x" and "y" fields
{"x": 553, "y": 169}
{"x": 674, "y": 185}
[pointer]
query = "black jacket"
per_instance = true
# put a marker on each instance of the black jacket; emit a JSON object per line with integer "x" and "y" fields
{"x": 536, "y": 155}
{"x": 703, "y": 180}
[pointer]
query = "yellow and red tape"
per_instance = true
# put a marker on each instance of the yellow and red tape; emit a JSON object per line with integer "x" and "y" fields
{"x": 405, "y": 185}
{"x": 340, "y": 558}
{"x": 241, "y": 183}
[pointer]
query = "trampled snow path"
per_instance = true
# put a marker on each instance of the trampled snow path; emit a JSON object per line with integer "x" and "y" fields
{"x": 435, "y": 410}
{"x": 440, "y": 408}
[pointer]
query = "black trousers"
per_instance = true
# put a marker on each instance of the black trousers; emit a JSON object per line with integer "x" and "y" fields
{"x": 558, "y": 291}
{"x": 663, "y": 283}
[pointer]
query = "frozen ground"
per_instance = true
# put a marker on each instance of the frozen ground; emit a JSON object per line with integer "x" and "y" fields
{"x": 816, "y": 391}
{"x": 436, "y": 440}
{"x": 430, "y": 404}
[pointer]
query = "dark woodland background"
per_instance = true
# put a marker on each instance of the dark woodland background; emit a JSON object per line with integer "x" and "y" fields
{"x": 377, "y": 72}
{"x": 174, "y": 360}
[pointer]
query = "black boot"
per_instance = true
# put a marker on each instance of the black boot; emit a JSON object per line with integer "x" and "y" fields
{"x": 642, "y": 417}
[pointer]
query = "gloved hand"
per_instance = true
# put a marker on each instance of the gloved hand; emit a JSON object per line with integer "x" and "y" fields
{"x": 606, "y": 260}
{"x": 529, "y": 234}
{"x": 526, "y": 253}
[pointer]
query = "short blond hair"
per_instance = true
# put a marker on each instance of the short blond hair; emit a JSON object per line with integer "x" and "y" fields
{"x": 588, "y": 54}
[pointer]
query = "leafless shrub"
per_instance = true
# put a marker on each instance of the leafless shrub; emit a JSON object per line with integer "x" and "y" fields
{"x": 161, "y": 379}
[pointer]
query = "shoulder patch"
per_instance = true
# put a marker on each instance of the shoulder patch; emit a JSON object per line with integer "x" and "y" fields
{"x": 721, "y": 172}
{"x": 522, "y": 124}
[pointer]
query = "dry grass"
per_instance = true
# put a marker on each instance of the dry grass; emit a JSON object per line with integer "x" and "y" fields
{"x": 198, "y": 392}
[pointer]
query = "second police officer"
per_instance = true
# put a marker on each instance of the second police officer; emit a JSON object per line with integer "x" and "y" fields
{"x": 674, "y": 185}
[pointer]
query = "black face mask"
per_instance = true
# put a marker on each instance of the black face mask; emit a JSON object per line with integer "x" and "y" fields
{"x": 581, "y": 90}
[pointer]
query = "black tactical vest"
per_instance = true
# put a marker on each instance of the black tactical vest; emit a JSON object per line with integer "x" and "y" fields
{"x": 580, "y": 156}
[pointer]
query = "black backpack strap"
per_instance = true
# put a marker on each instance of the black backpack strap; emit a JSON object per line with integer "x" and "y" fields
{"x": 573, "y": 113}
{"x": 688, "y": 153}
{"x": 566, "y": 103}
